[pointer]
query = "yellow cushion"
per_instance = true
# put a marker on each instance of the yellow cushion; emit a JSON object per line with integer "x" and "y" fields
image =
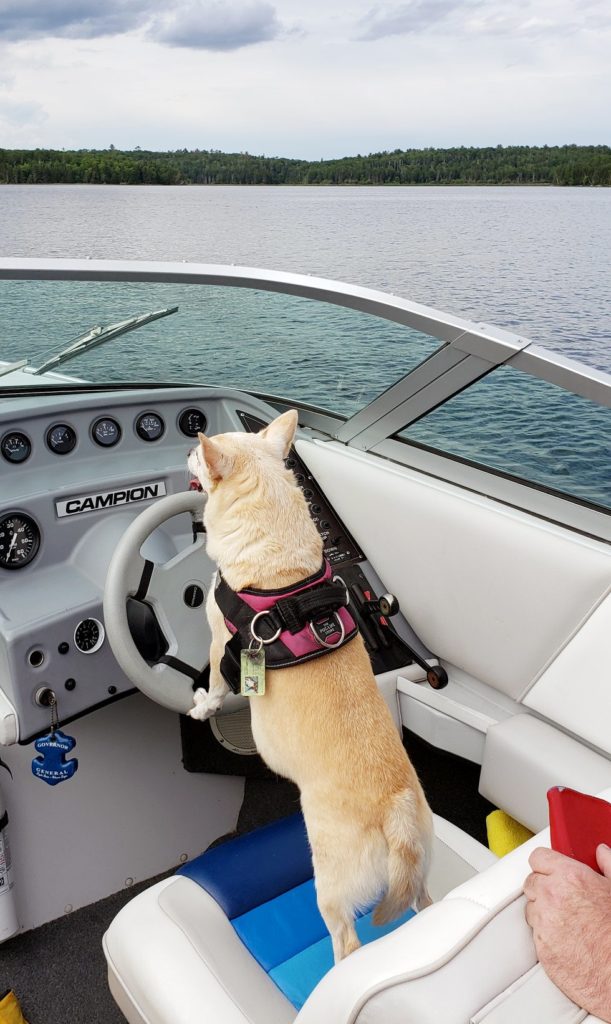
{"x": 505, "y": 833}
{"x": 10, "y": 1010}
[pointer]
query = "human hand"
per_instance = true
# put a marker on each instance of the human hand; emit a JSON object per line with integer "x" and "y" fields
{"x": 569, "y": 910}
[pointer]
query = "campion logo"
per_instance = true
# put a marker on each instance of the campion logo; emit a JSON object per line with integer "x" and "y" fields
{"x": 109, "y": 499}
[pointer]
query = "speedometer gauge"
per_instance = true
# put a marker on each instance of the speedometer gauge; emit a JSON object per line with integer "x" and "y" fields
{"x": 19, "y": 540}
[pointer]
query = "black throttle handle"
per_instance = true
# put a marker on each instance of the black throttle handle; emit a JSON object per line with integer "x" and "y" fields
{"x": 388, "y": 605}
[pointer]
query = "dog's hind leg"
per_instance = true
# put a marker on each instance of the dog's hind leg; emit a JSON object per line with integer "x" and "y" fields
{"x": 423, "y": 899}
{"x": 338, "y": 916}
{"x": 349, "y": 871}
{"x": 408, "y": 832}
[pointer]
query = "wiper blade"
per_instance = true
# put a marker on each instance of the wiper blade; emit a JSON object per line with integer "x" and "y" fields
{"x": 99, "y": 336}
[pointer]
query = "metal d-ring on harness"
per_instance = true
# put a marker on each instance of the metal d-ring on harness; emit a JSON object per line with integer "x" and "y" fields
{"x": 338, "y": 643}
{"x": 325, "y": 643}
{"x": 258, "y": 638}
{"x": 304, "y": 621}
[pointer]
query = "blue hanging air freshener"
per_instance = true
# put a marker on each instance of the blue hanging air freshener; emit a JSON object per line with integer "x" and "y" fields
{"x": 51, "y": 765}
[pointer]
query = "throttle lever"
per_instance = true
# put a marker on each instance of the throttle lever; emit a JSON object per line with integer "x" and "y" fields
{"x": 388, "y": 605}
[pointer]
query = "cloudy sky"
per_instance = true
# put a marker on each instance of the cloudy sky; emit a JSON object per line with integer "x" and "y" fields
{"x": 314, "y": 78}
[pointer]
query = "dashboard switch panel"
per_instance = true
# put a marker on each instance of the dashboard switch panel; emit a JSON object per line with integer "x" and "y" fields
{"x": 339, "y": 546}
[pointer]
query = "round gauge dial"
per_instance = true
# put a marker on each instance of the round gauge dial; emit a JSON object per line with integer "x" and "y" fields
{"x": 19, "y": 540}
{"x": 149, "y": 426}
{"x": 106, "y": 432}
{"x": 15, "y": 446}
{"x": 192, "y": 422}
{"x": 89, "y": 636}
{"x": 61, "y": 438}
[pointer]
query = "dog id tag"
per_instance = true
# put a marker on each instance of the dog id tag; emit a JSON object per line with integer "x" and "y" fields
{"x": 252, "y": 673}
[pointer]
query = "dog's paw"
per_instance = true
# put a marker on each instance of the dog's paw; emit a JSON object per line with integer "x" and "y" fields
{"x": 203, "y": 705}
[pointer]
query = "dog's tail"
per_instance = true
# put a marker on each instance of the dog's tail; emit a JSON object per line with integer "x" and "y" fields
{"x": 408, "y": 830}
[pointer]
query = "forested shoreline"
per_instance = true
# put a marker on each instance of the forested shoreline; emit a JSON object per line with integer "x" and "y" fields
{"x": 499, "y": 165}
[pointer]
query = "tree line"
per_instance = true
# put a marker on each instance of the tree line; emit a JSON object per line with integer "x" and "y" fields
{"x": 495, "y": 165}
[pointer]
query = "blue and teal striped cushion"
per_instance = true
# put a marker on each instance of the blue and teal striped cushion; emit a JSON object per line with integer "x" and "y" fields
{"x": 263, "y": 881}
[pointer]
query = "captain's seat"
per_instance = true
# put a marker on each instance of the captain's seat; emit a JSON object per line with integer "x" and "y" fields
{"x": 235, "y": 937}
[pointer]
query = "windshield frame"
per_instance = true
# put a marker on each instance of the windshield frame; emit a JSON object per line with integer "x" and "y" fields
{"x": 467, "y": 353}
{"x": 449, "y": 330}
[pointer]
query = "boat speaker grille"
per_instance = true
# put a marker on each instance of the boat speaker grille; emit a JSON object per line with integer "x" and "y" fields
{"x": 234, "y": 732}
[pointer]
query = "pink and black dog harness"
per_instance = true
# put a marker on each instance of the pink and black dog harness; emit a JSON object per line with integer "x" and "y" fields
{"x": 294, "y": 624}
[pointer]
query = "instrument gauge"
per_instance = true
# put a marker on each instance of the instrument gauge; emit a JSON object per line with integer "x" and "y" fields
{"x": 149, "y": 426}
{"x": 15, "y": 446}
{"x": 61, "y": 438}
{"x": 19, "y": 540}
{"x": 89, "y": 636}
{"x": 192, "y": 422}
{"x": 106, "y": 432}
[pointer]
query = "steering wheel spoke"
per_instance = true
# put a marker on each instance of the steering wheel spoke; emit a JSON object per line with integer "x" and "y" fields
{"x": 175, "y": 591}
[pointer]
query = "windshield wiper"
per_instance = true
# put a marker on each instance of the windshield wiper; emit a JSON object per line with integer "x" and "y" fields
{"x": 97, "y": 336}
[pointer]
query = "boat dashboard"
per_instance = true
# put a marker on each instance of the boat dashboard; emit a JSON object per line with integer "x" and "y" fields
{"x": 76, "y": 469}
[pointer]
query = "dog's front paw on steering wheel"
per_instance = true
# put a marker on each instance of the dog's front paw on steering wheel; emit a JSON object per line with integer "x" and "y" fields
{"x": 204, "y": 705}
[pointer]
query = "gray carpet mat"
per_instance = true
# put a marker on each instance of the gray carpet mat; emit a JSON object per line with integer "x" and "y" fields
{"x": 58, "y": 971}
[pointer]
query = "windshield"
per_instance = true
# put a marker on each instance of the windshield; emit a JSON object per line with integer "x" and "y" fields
{"x": 442, "y": 387}
{"x": 307, "y": 351}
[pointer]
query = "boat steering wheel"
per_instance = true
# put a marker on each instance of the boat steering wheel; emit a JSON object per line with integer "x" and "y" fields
{"x": 167, "y": 600}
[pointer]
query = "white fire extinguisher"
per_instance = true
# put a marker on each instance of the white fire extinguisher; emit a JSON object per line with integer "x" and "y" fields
{"x": 9, "y": 924}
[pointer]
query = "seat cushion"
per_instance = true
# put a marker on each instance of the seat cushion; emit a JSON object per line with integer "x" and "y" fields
{"x": 255, "y": 867}
{"x": 263, "y": 881}
{"x": 179, "y": 952}
{"x": 174, "y": 958}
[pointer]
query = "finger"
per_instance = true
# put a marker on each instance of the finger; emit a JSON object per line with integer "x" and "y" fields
{"x": 529, "y": 914}
{"x": 544, "y": 861}
{"x": 530, "y": 887}
{"x": 603, "y": 859}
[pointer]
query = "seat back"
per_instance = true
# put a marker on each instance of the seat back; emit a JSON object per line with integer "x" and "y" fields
{"x": 494, "y": 591}
{"x": 468, "y": 958}
{"x": 524, "y": 757}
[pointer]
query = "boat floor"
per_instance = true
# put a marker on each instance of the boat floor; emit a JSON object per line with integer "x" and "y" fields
{"x": 58, "y": 971}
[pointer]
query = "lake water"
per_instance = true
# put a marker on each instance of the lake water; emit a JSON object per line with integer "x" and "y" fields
{"x": 533, "y": 260}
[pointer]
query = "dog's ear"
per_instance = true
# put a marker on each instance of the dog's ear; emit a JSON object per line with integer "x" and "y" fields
{"x": 217, "y": 462}
{"x": 280, "y": 432}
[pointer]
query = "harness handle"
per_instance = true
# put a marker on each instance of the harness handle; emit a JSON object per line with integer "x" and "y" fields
{"x": 296, "y": 611}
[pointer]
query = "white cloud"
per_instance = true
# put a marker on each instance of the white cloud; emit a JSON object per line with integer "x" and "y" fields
{"x": 19, "y": 120}
{"x": 217, "y": 25}
{"x": 77, "y": 19}
{"x": 412, "y": 17}
{"x": 473, "y": 72}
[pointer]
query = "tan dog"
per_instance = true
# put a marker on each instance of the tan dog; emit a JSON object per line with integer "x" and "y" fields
{"x": 322, "y": 724}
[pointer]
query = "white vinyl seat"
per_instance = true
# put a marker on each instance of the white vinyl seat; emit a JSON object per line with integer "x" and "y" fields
{"x": 469, "y": 959}
{"x": 174, "y": 957}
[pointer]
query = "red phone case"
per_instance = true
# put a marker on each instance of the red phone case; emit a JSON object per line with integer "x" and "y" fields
{"x": 578, "y": 824}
